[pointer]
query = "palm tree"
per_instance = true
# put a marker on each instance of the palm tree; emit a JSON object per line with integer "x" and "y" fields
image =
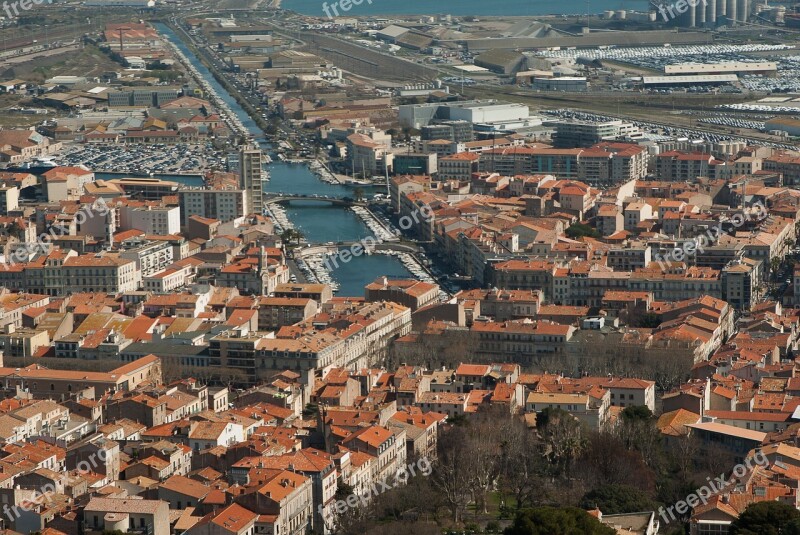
{"x": 775, "y": 265}
{"x": 358, "y": 194}
{"x": 291, "y": 235}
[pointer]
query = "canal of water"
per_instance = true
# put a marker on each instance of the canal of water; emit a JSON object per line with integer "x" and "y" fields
{"x": 319, "y": 222}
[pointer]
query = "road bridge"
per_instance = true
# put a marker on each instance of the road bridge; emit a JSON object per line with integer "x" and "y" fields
{"x": 279, "y": 198}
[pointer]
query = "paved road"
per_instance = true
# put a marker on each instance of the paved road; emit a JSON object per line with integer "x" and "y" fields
{"x": 294, "y": 270}
{"x": 14, "y": 60}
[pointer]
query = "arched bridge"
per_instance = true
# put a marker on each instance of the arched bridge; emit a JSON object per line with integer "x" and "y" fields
{"x": 276, "y": 198}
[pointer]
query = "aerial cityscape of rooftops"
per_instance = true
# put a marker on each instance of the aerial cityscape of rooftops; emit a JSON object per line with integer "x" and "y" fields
{"x": 372, "y": 267}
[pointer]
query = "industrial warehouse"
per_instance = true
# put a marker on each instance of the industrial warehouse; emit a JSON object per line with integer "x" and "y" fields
{"x": 764, "y": 68}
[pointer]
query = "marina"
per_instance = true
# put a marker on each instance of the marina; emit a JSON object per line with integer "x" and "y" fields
{"x": 314, "y": 270}
{"x": 379, "y": 229}
{"x": 322, "y": 172}
{"x": 322, "y": 223}
{"x": 278, "y": 215}
{"x": 319, "y": 223}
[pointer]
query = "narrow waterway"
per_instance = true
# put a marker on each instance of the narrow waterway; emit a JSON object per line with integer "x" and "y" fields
{"x": 176, "y": 40}
{"x": 319, "y": 222}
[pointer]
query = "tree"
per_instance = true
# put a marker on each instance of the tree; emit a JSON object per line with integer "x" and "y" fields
{"x": 291, "y": 235}
{"x": 792, "y": 528}
{"x": 766, "y": 518}
{"x": 638, "y": 431}
{"x": 563, "y": 437}
{"x": 524, "y": 470}
{"x": 485, "y": 458}
{"x": 649, "y": 321}
{"x": 358, "y": 194}
{"x": 450, "y": 475}
{"x": 605, "y": 459}
{"x": 409, "y": 508}
{"x": 579, "y": 230}
{"x": 637, "y": 413}
{"x": 343, "y": 491}
{"x": 474, "y": 456}
{"x": 557, "y": 521}
{"x": 417, "y": 528}
{"x": 774, "y": 265}
{"x": 617, "y": 499}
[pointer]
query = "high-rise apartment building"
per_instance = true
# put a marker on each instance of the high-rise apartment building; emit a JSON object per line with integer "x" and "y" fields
{"x": 251, "y": 177}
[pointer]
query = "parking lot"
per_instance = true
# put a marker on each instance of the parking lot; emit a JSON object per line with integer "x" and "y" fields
{"x": 656, "y": 58}
{"x": 656, "y": 131}
{"x": 179, "y": 158}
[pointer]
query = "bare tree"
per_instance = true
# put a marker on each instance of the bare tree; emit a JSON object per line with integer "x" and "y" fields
{"x": 684, "y": 454}
{"x": 605, "y": 460}
{"x": 451, "y": 475}
{"x": 524, "y": 466}
{"x": 485, "y": 456}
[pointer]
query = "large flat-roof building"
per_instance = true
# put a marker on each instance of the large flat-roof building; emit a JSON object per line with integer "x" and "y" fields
{"x": 689, "y": 79}
{"x": 505, "y": 62}
{"x": 726, "y": 67}
{"x": 562, "y": 83}
{"x": 222, "y": 204}
{"x": 575, "y": 133}
{"x": 458, "y": 131}
{"x": 142, "y": 97}
{"x": 473, "y": 111}
{"x": 147, "y": 189}
{"x": 783, "y": 124}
